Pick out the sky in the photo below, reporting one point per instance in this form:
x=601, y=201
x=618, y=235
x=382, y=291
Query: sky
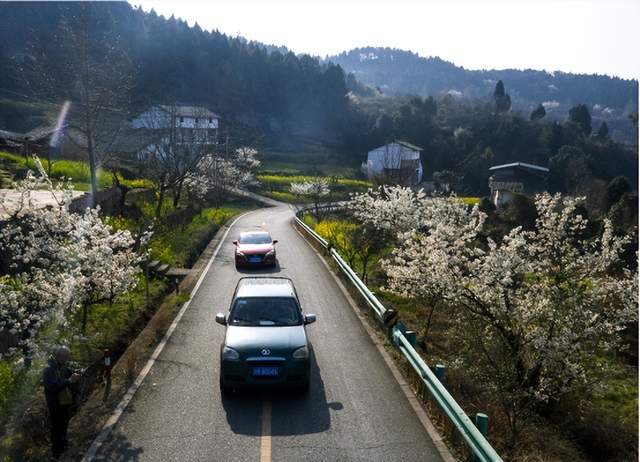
x=582, y=36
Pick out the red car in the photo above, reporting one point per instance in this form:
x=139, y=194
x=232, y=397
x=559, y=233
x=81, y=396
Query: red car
x=255, y=248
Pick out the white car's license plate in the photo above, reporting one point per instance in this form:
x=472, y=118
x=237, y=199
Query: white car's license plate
x=255, y=259
x=265, y=371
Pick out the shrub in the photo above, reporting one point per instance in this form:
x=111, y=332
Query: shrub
x=486, y=205
x=308, y=220
x=7, y=384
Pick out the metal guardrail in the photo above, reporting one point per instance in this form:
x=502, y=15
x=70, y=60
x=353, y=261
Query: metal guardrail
x=381, y=312
x=476, y=441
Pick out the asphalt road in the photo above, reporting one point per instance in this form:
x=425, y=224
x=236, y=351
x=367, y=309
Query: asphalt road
x=355, y=410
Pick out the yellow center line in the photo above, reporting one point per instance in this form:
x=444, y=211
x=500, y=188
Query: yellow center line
x=265, y=437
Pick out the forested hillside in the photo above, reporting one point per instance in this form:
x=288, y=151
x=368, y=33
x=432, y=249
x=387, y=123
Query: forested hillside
x=398, y=72
x=271, y=98
x=170, y=61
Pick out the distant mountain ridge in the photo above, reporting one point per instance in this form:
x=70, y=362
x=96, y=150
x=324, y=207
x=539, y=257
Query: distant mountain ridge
x=397, y=72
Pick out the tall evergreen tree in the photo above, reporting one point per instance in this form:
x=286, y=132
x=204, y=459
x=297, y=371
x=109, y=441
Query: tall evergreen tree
x=538, y=113
x=603, y=131
x=616, y=189
x=501, y=98
x=580, y=115
x=498, y=92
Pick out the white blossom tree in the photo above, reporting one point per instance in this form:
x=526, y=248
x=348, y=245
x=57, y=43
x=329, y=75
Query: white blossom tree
x=218, y=175
x=315, y=189
x=395, y=209
x=174, y=151
x=533, y=309
x=102, y=261
x=57, y=263
x=27, y=302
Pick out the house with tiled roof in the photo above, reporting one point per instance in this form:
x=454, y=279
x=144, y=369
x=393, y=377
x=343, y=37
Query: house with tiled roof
x=516, y=178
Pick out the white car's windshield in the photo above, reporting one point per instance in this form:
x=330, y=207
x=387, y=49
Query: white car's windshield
x=265, y=312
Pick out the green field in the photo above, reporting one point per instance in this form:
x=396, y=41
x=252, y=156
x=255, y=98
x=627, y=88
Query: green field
x=310, y=162
x=78, y=172
x=277, y=187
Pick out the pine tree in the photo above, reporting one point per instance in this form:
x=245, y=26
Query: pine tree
x=501, y=98
x=603, y=131
x=538, y=113
x=579, y=115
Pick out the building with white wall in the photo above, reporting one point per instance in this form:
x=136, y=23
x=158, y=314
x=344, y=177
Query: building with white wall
x=162, y=117
x=177, y=125
x=397, y=162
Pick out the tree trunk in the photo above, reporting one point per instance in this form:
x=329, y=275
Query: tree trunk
x=123, y=192
x=317, y=207
x=92, y=167
x=25, y=153
x=160, y=201
x=177, y=193
x=83, y=325
x=365, y=263
x=123, y=195
x=426, y=332
x=49, y=161
x=86, y=96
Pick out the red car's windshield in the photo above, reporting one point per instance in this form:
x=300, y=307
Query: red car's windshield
x=255, y=238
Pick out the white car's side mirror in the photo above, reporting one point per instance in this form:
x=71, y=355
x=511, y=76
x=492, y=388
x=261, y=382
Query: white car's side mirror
x=309, y=318
x=221, y=319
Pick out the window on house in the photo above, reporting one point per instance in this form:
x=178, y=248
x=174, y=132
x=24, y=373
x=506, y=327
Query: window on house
x=210, y=120
x=181, y=119
x=196, y=120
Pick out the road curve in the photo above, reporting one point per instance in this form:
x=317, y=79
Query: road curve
x=355, y=410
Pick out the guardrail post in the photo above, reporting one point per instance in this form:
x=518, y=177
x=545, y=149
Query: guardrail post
x=412, y=337
x=400, y=328
x=482, y=423
x=389, y=317
x=439, y=372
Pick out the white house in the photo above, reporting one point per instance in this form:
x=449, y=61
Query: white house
x=162, y=117
x=398, y=161
x=184, y=125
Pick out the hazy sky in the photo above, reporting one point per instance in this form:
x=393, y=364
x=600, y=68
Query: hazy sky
x=587, y=36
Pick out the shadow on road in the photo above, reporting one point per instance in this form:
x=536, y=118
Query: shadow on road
x=292, y=412
x=260, y=270
x=118, y=449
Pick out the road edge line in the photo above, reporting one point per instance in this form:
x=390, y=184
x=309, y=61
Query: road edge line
x=423, y=417
x=112, y=421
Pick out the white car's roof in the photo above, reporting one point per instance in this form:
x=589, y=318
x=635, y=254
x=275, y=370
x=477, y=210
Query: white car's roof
x=265, y=287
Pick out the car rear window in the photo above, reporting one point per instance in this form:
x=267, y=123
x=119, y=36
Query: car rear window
x=265, y=312
x=255, y=238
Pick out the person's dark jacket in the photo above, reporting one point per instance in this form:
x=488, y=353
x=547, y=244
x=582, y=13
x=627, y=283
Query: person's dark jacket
x=55, y=379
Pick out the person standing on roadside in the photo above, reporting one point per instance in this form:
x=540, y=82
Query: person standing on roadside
x=57, y=379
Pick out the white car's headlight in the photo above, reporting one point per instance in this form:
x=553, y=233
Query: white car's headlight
x=239, y=253
x=230, y=354
x=270, y=252
x=301, y=353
